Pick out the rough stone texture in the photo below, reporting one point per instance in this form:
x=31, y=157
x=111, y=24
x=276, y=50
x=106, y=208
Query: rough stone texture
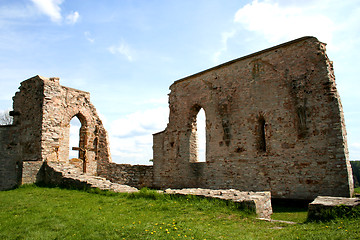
x=260, y=202
x=42, y=113
x=40, y=132
x=43, y=110
x=10, y=167
x=274, y=122
x=138, y=176
x=320, y=206
x=31, y=172
x=65, y=174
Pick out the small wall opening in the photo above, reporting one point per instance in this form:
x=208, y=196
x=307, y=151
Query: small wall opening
x=74, y=139
x=201, y=133
x=262, y=134
x=198, y=136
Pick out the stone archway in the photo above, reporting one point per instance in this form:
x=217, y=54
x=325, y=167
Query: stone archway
x=81, y=160
x=197, y=139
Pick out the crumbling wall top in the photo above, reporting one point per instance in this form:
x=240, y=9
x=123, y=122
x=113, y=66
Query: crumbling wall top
x=245, y=57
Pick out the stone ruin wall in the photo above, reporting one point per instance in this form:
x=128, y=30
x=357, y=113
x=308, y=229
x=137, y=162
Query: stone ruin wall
x=40, y=132
x=274, y=122
x=10, y=169
x=42, y=113
x=61, y=104
x=138, y=176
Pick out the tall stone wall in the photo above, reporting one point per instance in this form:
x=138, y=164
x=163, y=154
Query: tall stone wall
x=10, y=167
x=27, y=116
x=42, y=113
x=274, y=122
x=61, y=104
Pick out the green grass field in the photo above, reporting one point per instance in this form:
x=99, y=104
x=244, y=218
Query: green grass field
x=32, y=212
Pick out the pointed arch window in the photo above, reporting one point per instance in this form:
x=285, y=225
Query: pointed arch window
x=74, y=138
x=198, y=136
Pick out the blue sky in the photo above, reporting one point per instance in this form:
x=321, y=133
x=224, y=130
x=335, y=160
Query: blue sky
x=127, y=53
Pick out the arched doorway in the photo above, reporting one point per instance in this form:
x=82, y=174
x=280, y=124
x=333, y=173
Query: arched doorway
x=77, y=142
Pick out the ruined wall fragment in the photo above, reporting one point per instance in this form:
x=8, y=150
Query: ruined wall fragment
x=10, y=166
x=42, y=113
x=274, y=122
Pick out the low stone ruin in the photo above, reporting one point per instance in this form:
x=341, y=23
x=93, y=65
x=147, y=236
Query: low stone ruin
x=66, y=175
x=260, y=202
x=63, y=174
x=326, y=208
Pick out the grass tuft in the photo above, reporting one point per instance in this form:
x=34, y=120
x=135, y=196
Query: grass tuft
x=146, y=193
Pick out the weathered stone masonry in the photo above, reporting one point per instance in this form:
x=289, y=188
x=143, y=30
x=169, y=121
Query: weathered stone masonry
x=40, y=132
x=274, y=122
x=10, y=169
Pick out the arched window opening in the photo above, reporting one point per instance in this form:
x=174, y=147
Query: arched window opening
x=198, y=136
x=74, y=140
x=262, y=134
x=201, y=134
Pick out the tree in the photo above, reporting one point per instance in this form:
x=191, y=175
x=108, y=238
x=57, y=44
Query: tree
x=5, y=118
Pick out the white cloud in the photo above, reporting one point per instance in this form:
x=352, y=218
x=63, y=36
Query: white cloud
x=134, y=150
x=276, y=21
x=50, y=8
x=88, y=37
x=122, y=49
x=225, y=36
x=131, y=136
x=279, y=23
x=72, y=18
x=140, y=123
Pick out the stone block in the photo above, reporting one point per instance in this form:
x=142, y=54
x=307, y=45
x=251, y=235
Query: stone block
x=259, y=202
x=327, y=208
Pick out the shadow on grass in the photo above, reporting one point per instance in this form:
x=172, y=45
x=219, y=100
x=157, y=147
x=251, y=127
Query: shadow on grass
x=289, y=205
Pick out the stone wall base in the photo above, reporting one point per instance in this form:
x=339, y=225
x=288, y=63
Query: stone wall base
x=31, y=172
x=327, y=208
x=138, y=176
x=260, y=202
x=66, y=175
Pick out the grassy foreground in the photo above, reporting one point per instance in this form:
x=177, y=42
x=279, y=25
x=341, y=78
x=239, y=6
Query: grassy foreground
x=32, y=212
